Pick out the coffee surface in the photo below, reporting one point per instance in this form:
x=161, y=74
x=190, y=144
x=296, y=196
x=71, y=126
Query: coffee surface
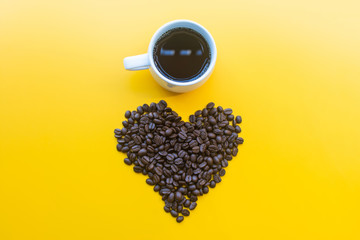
x=182, y=54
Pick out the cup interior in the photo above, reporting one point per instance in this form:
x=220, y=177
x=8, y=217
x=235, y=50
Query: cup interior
x=183, y=24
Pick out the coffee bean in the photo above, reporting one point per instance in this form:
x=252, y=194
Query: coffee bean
x=182, y=135
x=149, y=181
x=182, y=159
x=234, y=151
x=179, y=208
x=238, y=119
x=204, y=112
x=162, y=104
x=168, y=132
x=138, y=169
x=127, y=161
x=166, y=209
x=185, y=212
x=125, y=149
x=239, y=140
x=119, y=147
x=157, y=188
x=188, y=178
x=165, y=191
x=196, y=149
x=140, y=110
x=202, y=182
x=174, y=213
x=127, y=114
x=193, y=205
x=142, y=152
x=228, y=111
x=193, y=198
x=217, y=178
x=187, y=203
x=196, y=192
x=212, y=121
x=171, y=197
x=158, y=171
x=178, y=196
x=179, y=219
x=210, y=105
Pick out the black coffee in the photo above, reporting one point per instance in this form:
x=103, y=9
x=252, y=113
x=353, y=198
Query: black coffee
x=182, y=54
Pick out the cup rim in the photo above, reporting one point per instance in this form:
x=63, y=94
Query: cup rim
x=208, y=38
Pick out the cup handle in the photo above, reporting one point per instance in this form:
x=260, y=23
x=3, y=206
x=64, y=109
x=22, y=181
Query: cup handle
x=138, y=62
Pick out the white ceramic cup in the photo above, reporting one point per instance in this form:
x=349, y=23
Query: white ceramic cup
x=146, y=61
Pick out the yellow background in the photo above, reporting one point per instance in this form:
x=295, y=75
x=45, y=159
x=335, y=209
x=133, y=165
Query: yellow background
x=290, y=68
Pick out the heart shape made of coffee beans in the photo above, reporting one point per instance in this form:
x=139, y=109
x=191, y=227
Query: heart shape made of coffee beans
x=181, y=159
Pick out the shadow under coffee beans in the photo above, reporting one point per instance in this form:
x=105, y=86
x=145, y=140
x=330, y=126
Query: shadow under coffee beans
x=181, y=159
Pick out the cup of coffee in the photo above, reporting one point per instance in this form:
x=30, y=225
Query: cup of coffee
x=181, y=56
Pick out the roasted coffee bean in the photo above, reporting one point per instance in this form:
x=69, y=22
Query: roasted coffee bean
x=210, y=105
x=204, y=112
x=125, y=149
x=140, y=110
x=179, y=208
x=142, y=152
x=217, y=178
x=238, y=119
x=178, y=196
x=127, y=161
x=168, y=132
x=158, y=171
x=212, y=111
x=234, y=151
x=185, y=212
x=239, y=140
x=202, y=182
x=182, y=159
x=188, y=178
x=162, y=104
x=182, y=135
x=187, y=203
x=196, y=192
x=222, y=172
x=228, y=111
x=166, y=209
x=165, y=191
x=157, y=188
x=174, y=213
x=171, y=197
x=193, y=198
x=179, y=219
x=149, y=181
x=196, y=149
x=138, y=169
x=192, y=187
x=192, y=205
x=127, y=114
